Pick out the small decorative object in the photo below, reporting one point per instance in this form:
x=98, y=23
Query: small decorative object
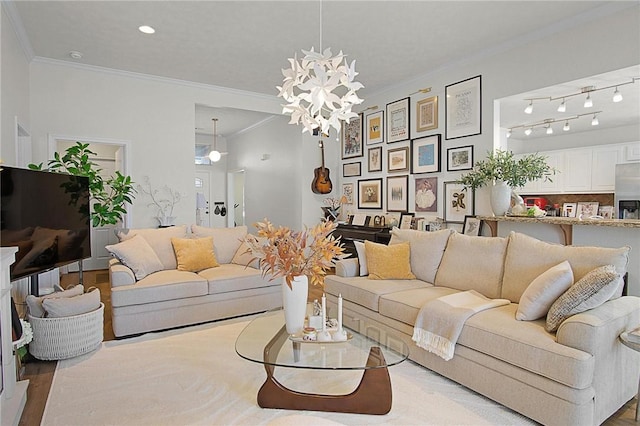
x=374, y=128
x=309, y=333
x=340, y=335
x=506, y=172
x=427, y=114
x=606, y=212
x=375, y=159
x=351, y=169
x=398, y=193
x=458, y=202
x=332, y=209
x=405, y=220
x=425, y=154
x=586, y=209
x=297, y=257
x=323, y=335
x=398, y=121
x=370, y=194
x=569, y=209
x=164, y=200
x=426, y=196
x=398, y=159
x=460, y=158
x=352, y=138
x=463, y=105
x=471, y=226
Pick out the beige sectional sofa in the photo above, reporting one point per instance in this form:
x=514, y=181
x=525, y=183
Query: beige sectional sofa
x=149, y=292
x=579, y=374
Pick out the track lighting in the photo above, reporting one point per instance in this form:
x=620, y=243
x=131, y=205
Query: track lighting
x=595, y=121
x=547, y=123
x=588, y=103
x=549, y=129
x=529, y=108
x=509, y=133
x=528, y=131
x=562, y=107
x=566, y=126
x=617, y=96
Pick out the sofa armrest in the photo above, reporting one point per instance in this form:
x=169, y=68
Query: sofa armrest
x=348, y=268
x=119, y=274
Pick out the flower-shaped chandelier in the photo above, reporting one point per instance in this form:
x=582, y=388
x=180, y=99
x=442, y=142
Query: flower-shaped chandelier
x=320, y=90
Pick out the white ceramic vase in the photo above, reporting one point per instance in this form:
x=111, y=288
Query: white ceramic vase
x=500, y=198
x=166, y=220
x=294, y=301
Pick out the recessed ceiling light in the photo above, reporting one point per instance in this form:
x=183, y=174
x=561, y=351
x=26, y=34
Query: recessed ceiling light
x=75, y=54
x=146, y=29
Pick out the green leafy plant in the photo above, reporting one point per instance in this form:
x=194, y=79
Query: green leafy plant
x=108, y=196
x=502, y=165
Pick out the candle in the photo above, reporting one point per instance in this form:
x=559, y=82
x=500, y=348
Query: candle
x=324, y=312
x=340, y=312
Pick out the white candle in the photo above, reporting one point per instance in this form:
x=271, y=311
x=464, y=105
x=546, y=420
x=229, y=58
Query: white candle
x=340, y=312
x=324, y=312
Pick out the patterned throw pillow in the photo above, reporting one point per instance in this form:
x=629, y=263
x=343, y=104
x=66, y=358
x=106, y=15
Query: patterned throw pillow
x=388, y=262
x=194, y=254
x=589, y=292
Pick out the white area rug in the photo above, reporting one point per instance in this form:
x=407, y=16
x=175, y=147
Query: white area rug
x=194, y=377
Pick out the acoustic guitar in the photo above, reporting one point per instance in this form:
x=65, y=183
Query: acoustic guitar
x=321, y=182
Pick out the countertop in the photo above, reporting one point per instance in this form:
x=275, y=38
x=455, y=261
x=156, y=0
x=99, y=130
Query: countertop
x=556, y=220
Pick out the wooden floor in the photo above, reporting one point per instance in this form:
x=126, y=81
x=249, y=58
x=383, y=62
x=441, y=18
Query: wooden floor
x=40, y=373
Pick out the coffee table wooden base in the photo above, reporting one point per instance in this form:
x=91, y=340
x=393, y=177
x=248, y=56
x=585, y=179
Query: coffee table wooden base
x=371, y=396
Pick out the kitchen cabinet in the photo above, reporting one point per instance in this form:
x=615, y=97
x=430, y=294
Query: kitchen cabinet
x=577, y=170
x=603, y=170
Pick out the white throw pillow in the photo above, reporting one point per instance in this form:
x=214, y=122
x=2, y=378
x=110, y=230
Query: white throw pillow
x=35, y=303
x=71, y=306
x=362, y=258
x=427, y=249
x=159, y=240
x=543, y=291
x=138, y=255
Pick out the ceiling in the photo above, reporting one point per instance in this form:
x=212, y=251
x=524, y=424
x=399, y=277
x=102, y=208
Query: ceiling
x=244, y=45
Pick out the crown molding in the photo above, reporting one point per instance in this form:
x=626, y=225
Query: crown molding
x=18, y=28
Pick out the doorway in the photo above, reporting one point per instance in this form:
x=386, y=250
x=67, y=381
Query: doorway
x=235, y=191
x=203, y=196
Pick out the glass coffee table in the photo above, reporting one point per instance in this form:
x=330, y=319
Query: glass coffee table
x=265, y=340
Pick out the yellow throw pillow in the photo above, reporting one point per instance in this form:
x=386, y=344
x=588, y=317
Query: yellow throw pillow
x=194, y=254
x=388, y=262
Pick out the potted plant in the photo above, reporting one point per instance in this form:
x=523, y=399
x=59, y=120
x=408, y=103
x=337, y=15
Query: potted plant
x=505, y=172
x=108, y=196
x=297, y=257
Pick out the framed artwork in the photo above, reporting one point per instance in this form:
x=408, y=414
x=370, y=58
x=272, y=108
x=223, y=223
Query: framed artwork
x=351, y=169
x=463, y=106
x=374, y=128
x=405, y=220
x=375, y=159
x=347, y=192
x=458, y=202
x=569, y=209
x=471, y=226
x=587, y=208
x=398, y=193
x=425, y=154
x=352, y=138
x=398, y=159
x=460, y=158
x=427, y=114
x=426, y=197
x=606, y=212
x=398, y=121
x=370, y=194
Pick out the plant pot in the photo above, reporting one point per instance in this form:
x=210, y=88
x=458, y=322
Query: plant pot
x=294, y=301
x=166, y=220
x=500, y=198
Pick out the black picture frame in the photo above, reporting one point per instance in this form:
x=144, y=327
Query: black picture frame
x=460, y=158
x=463, y=108
x=398, y=124
x=472, y=226
x=370, y=194
x=352, y=143
x=398, y=193
x=352, y=169
x=372, y=154
x=425, y=154
x=458, y=202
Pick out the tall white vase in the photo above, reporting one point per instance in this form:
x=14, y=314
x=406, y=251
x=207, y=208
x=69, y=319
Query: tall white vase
x=500, y=198
x=294, y=301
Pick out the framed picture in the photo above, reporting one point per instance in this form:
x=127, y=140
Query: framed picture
x=351, y=169
x=426, y=197
x=606, y=212
x=375, y=159
x=352, y=138
x=398, y=193
x=427, y=114
x=458, y=202
x=425, y=154
x=587, y=209
x=398, y=159
x=347, y=192
x=370, y=194
x=569, y=209
x=460, y=158
x=398, y=121
x=471, y=226
x=405, y=220
x=374, y=128
x=463, y=105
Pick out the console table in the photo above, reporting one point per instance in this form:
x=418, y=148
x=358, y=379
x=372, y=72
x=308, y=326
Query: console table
x=351, y=233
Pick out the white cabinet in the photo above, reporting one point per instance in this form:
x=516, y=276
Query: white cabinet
x=577, y=168
x=603, y=167
x=631, y=152
x=555, y=159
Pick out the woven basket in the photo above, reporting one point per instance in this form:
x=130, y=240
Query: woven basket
x=61, y=338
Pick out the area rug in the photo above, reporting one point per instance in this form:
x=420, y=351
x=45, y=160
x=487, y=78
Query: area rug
x=193, y=376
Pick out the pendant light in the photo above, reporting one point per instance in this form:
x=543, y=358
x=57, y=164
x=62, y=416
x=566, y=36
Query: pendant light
x=595, y=121
x=588, y=103
x=529, y=108
x=617, y=96
x=566, y=126
x=562, y=107
x=214, y=155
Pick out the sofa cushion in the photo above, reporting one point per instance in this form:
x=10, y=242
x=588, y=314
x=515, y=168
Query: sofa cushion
x=226, y=241
x=543, y=291
x=388, y=262
x=404, y=305
x=161, y=286
x=34, y=303
x=528, y=257
x=160, y=241
x=589, y=292
x=366, y=292
x=231, y=277
x=194, y=254
x=427, y=249
x=244, y=257
x=362, y=258
x=137, y=255
x=60, y=307
x=473, y=263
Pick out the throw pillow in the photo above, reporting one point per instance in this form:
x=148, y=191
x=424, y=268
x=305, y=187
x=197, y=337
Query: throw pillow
x=388, y=262
x=194, y=254
x=226, y=241
x=543, y=291
x=137, y=254
x=159, y=240
x=589, y=292
x=70, y=306
x=244, y=257
x=362, y=258
x=34, y=304
x=427, y=249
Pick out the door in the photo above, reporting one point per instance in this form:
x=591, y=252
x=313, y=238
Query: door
x=203, y=195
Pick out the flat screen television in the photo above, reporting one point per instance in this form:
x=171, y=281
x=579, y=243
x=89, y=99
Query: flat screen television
x=45, y=215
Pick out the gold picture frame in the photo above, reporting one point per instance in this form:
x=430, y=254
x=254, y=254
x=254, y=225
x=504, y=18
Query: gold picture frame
x=427, y=114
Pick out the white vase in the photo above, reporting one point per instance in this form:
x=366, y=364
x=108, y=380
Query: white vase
x=166, y=220
x=500, y=198
x=294, y=301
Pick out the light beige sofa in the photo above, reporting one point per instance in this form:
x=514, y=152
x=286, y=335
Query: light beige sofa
x=170, y=297
x=579, y=375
